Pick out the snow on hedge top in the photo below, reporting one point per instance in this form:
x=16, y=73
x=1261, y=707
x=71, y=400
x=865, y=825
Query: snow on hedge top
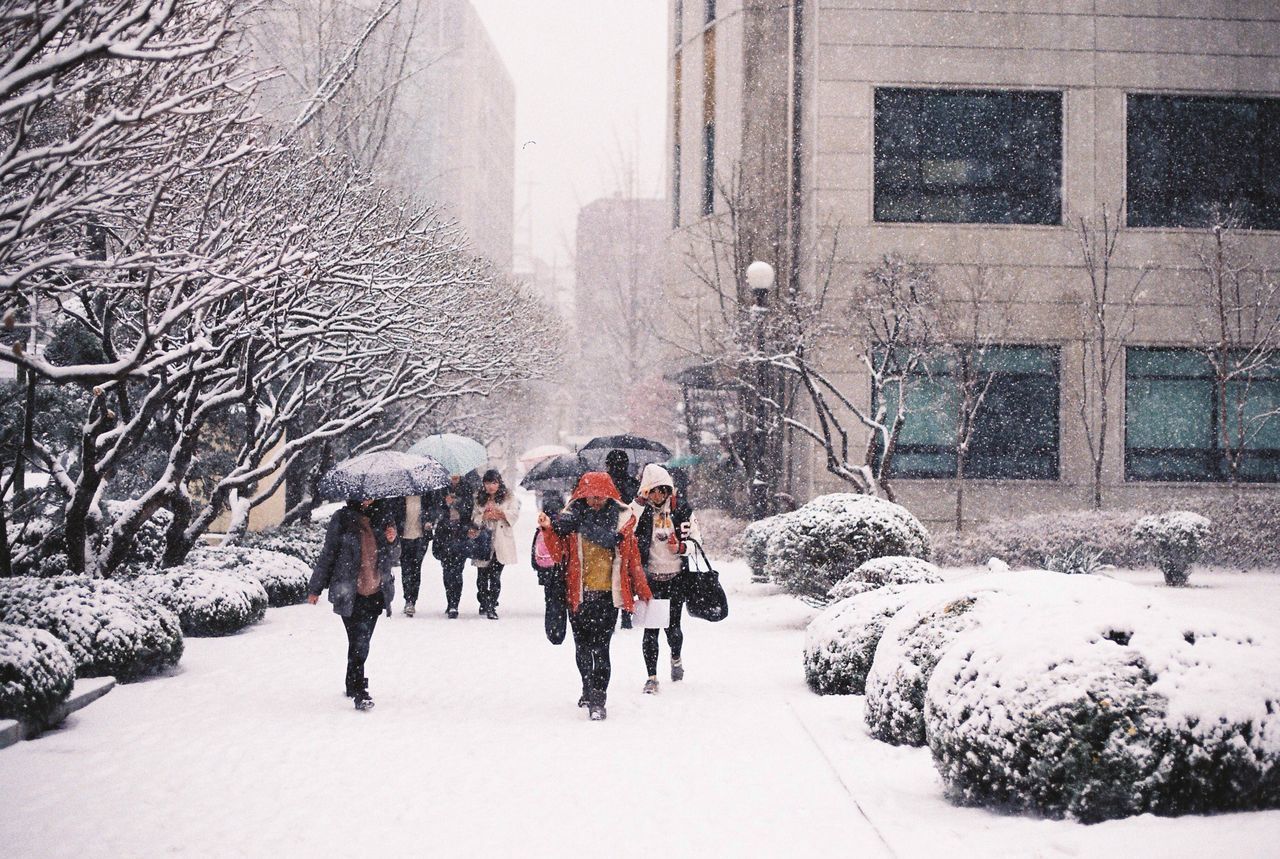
x=888, y=570
x=1178, y=528
x=889, y=516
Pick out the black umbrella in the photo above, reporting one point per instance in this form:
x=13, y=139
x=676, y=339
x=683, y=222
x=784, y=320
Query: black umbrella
x=640, y=451
x=383, y=474
x=557, y=473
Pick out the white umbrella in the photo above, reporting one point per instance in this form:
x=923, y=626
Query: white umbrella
x=383, y=474
x=534, y=455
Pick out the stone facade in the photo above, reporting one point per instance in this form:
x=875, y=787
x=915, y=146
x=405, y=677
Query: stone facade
x=1092, y=56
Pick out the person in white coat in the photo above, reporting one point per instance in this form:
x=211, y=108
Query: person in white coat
x=496, y=510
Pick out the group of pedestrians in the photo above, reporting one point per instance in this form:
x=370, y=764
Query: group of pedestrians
x=617, y=541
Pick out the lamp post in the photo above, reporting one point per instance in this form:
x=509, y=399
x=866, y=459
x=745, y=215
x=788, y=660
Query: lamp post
x=760, y=276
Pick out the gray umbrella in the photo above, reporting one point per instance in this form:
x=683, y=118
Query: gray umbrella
x=383, y=474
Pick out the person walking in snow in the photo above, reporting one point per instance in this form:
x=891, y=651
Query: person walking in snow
x=355, y=565
x=664, y=524
x=595, y=540
x=496, y=510
x=451, y=535
x=618, y=466
x=415, y=519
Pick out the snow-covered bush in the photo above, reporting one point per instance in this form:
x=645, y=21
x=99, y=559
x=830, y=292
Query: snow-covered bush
x=109, y=628
x=36, y=674
x=840, y=643
x=282, y=576
x=918, y=635
x=889, y=570
x=1026, y=542
x=1077, y=560
x=813, y=548
x=1108, y=710
x=206, y=602
x=303, y=542
x=146, y=550
x=1174, y=541
x=753, y=543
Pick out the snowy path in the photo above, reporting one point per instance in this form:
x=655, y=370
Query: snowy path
x=475, y=747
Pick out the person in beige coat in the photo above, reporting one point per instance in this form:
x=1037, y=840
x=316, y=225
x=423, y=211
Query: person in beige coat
x=496, y=510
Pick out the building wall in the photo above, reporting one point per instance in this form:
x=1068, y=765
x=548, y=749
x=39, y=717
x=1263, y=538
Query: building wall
x=1094, y=53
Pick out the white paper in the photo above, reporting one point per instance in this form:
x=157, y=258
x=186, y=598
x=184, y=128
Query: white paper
x=654, y=614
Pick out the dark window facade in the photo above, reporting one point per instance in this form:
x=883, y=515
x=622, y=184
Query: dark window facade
x=708, y=168
x=711, y=10
x=968, y=156
x=1192, y=159
x=1015, y=432
x=1173, y=424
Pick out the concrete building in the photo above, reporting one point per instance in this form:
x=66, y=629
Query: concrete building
x=461, y=112
x=972, y=136
x=618, y=306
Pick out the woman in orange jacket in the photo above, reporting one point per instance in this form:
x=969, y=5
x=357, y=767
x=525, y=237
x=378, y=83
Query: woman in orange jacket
x=595, y=540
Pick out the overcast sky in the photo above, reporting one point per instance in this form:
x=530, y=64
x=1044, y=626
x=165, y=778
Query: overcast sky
x=590, y=79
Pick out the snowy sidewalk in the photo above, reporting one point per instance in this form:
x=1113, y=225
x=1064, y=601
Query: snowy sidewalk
x=475, y=746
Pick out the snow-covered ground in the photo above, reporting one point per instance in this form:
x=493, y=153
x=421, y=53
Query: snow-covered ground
x=476, y=748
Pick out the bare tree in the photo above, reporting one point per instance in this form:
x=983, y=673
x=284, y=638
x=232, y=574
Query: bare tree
x=1239, y=336
x=1108, y=315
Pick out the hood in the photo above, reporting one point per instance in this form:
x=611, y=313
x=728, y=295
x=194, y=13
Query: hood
x=595, y=483
x=655, y=475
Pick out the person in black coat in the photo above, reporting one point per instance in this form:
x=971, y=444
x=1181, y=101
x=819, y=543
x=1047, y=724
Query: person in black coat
x=451, y=536
x=355, y=566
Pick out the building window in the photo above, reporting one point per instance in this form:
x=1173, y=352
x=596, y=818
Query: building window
x=711, y=11
x=1191, y=158
x=1173, y=424
x=968, y=156
x=1015, y=433
x=709, y=168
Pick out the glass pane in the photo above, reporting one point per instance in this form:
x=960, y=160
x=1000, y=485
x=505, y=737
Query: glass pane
x=912, y=464
x=1016, y=429
x=1166, y=362
x=1169, y=414
x=930, y=412
x=1261, y=414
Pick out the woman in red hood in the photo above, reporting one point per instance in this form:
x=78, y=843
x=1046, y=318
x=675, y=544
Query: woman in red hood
x=595, y=539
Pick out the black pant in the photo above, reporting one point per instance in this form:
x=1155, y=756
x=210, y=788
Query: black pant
x=673, y=590
x=364, y=616
x=592, y=630
x=411, y=554
x=489, y=585
x=452, y=570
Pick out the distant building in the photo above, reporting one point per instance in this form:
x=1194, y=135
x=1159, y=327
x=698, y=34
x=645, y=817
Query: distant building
x=618, y=305
x=465, y=152
x=973, y=137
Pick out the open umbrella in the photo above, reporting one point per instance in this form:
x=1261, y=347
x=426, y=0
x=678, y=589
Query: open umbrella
x=557, y=473
x=640, y=451
x=534, y=455
x=383, y=474
x=457, y=453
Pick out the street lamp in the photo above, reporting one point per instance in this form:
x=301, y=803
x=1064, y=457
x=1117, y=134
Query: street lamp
x=760, y=277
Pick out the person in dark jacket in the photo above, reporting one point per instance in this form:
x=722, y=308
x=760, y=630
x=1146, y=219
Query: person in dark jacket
x=355, y=565
x=415, y=517
x=453, y=530
x=618, y=466
x=664, y=524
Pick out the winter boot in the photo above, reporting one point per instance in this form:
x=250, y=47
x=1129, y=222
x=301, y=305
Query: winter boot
x=492, y=614
x=595, y=705
x=409, y=609
x=451, y=613
x=363, y=700
x=584, y=698
x=677, y=671
x=651, y=686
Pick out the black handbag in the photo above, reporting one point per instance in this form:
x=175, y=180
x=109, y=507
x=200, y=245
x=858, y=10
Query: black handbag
x=556, y=621
x=704, y=595
x=480, y=547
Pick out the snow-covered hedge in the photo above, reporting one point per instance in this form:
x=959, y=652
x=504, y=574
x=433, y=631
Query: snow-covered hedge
x=813, y=548
x=1107, y=710
x=1175, y=541
x=1030, y=541
x=207, y=602
x=889, y=570
x=918, y=635
x=753, y=543
x=109, y=628
x=303, y=542
x=36, y=674
x=282, y=576
x=840, y=643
